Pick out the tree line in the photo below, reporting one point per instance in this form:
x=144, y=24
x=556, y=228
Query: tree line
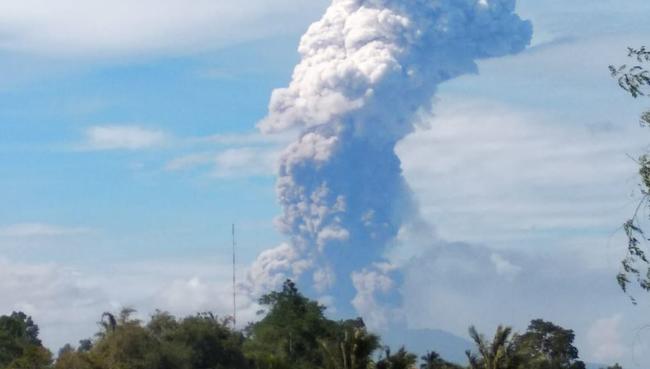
x=293, y=333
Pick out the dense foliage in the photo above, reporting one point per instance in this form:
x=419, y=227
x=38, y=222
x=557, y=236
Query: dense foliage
x=20, y=347
x=293, y=333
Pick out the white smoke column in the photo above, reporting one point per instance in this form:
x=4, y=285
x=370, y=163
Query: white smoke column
x=368, y=66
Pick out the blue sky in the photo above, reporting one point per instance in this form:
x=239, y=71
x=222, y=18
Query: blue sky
x=128, y=145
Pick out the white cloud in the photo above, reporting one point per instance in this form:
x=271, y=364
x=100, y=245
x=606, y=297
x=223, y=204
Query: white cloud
x=231, y=163
x=329, y=303
x=538, y=192
x=324, y=278
x=584, y=17
x=55, y=296
x=370, y=285
x=33, y=230
x=453, y=286
x=246, y=162
x=605, y=339
x=504, y=267
x=497, y=175
x=192, y=294
x=66, y=302
x=189, y=161
x=99, y=28
x=114, y=137
x=274, y=266
x=240, y=155
x=248, y=139
x=543, y=195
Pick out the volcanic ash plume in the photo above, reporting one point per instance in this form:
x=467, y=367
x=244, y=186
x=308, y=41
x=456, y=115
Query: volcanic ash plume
x=367, y=68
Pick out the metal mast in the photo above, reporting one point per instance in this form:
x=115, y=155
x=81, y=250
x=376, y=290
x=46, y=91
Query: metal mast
x=234, y=279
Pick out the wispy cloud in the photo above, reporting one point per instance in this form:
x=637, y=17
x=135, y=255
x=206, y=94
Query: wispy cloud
x=249, y=138
x=123, y=137
x=246, y=162
x=189, y=161
x=238, y=155
x=67, y=301
x=97, y=28
x=34, y=230
x=230, y=163
x=584, y=17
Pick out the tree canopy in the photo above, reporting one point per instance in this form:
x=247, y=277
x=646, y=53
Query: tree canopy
x=293, y=332
x=20, y=346
x=544, y=345
x=290, y=331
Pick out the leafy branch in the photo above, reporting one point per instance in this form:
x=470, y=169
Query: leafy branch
x=635, y=78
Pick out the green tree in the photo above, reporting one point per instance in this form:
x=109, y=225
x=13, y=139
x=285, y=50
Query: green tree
x=290, y=332
x=547, y=346
x=125, y=344
x=69, y=358
x=209, y=341
x=85, y=345
x=196, y=342
x=33, y=357
x=500, y=353
x=20, y=346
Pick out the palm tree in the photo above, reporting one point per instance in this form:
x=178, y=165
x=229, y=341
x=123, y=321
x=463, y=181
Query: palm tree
x=402, y=359
x=352, y=352
x=431, y=360
x=497, y=354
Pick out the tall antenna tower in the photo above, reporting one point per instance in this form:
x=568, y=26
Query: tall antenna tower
x=234, y=279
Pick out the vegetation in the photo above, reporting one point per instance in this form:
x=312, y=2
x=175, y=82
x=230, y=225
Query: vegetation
x=548, y=346
x=635, y=79
x=290, y=332
x=293, y=333
x=432, y=360
x=20, y=347
x=544, y=345
x=499, y=353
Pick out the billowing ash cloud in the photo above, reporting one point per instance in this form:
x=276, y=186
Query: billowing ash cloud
x=368, y=67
